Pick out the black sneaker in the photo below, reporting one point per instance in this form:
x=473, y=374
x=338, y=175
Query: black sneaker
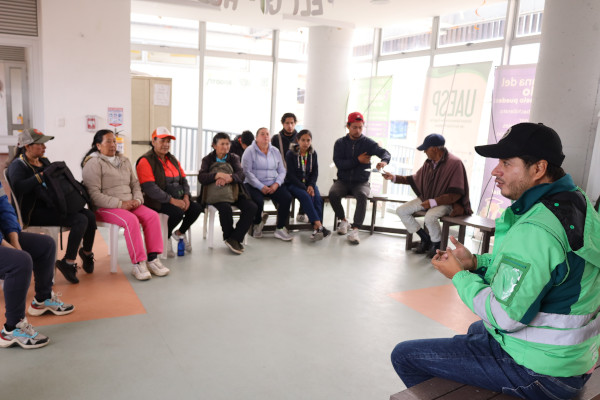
x=326, y=232
x=423, y=247
x=432, y=249
x=68, y=270
x=234, y=246
x=87, y=261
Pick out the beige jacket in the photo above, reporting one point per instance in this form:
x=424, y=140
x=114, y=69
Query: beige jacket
x=110, y=185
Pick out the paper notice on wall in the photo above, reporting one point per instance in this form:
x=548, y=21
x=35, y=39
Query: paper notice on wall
x=162, y=95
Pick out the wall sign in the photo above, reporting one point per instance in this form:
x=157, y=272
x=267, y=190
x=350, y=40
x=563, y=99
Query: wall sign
x=115, y=116
x=303, y=8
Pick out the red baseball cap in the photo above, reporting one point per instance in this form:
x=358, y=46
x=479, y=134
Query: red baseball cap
x=162, y=132
x=354, y=117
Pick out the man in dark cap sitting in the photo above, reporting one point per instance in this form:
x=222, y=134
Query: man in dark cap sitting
x=442, y=189
x=536, y=293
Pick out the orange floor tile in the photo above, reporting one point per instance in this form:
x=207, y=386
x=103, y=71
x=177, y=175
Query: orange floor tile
x=96, y=296
x=440, y=303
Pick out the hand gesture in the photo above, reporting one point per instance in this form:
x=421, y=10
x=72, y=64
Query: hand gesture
x=448, y=265
x=388, y=176
x=381, y=164
x=364, y=158
x=463, y=254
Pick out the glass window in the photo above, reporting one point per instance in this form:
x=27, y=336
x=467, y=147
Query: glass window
x=480, y=24
x=171, y=58
x=239, y=39
x=530, y=18
x=184, y=107
x=291, y=86
x=406, y=37
x=162, y=31
x=237, y=94
x=293, y=44
x=525, y=54
x=408, y=82
x=362, y=43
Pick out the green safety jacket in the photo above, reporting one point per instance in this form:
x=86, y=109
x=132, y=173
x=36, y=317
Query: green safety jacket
x=538, y=293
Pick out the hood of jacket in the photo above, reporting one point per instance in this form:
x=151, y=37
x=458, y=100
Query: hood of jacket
x=295, y=148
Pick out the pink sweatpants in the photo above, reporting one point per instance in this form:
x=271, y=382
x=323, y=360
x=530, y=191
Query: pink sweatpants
x=131, y=220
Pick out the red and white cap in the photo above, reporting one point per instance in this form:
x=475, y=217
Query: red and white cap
x=162, y=132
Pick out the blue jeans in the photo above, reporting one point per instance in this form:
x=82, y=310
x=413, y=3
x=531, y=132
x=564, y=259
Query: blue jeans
x=477, y=359
x=312, y=205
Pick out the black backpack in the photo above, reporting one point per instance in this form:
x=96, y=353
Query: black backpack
x=67, y=195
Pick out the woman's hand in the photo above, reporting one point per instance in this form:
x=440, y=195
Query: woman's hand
x=265, y=190
x=186, y=200
x=13, y=240
x=178, y=203
x=222, y=175
x=311, y=191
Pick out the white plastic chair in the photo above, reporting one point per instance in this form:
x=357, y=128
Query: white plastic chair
x=209, y=224
x=113, y=243
x=164, y=227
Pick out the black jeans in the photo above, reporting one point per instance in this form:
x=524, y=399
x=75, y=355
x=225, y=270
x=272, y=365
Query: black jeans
x=282, y=197
x=38, y=255
x=248, y=211
x=359, y=190
x=82, y=224
x=176, y=215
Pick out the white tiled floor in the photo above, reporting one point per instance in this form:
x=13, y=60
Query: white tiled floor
x=295, y=320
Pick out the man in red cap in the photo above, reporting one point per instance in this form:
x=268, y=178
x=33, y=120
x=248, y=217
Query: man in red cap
x=352, y=157
x=441, y=187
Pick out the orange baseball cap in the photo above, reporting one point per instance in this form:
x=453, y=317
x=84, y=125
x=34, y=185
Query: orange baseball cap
x=162, y=132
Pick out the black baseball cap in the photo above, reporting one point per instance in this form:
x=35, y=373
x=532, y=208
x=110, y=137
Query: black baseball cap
x=433, y=140
x=526, y=139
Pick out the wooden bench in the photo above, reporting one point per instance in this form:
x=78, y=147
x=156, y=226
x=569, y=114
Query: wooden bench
x=443, y=389
x=486, y=225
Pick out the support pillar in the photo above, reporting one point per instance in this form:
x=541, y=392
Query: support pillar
x=327, y=90
x=566, y=95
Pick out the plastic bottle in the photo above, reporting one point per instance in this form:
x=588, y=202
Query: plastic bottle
x=180, y=248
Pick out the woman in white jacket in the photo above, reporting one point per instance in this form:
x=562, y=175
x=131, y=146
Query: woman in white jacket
x=117, y=199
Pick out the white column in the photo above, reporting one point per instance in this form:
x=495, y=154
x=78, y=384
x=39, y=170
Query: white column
x=327, y=89
x=566, y=95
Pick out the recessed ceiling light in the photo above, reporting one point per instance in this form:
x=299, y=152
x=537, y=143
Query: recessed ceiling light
x=380, y=1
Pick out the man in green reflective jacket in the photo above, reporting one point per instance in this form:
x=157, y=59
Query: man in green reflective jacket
x=537, y=293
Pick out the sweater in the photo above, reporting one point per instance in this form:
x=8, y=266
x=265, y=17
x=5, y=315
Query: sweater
x=109, y=184
x=345, y=157
x=295, y=174
x=262, y=169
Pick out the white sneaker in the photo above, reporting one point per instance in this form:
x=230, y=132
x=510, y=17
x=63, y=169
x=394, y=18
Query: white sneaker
x=302, y=218
x=157, y=268
x=342, y=228
x=353, y=236
x=283, y=234
x=140, y=271
x=257, y=231
x=188, y=245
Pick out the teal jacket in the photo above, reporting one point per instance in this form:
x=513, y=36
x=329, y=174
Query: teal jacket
x=538, y=293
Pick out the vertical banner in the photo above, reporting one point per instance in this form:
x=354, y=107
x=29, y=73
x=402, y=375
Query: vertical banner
x=371, y=97
x=511, y=104
x=452, y=106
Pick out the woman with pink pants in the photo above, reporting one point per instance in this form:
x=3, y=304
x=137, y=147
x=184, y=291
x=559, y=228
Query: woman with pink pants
x=117, y=199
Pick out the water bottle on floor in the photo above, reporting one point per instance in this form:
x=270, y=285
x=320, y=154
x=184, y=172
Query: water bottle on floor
x=180, y=248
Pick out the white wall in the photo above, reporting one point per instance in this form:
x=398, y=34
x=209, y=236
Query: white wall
x=85, y=69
